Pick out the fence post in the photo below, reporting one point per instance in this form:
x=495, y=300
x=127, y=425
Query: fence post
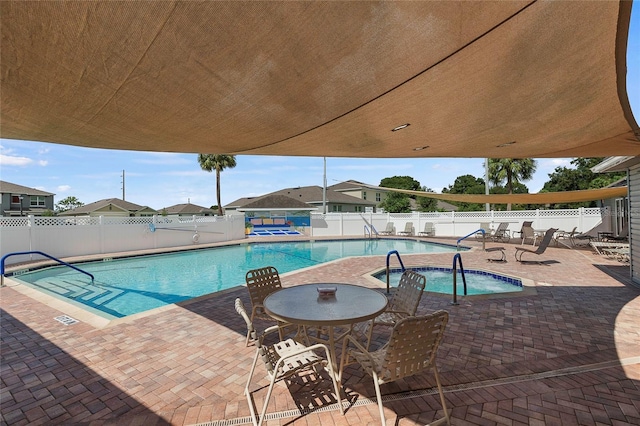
x=31, y=226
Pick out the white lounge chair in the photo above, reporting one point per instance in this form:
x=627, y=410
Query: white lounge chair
x=429, y=230
x=408, y=229
x=389, y=230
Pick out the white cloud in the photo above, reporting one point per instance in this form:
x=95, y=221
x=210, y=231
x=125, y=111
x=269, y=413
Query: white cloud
x=8, y=160
x=42, y=163
x=63, y=188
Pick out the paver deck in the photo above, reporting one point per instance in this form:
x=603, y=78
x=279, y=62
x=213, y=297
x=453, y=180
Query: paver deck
x=567, y=352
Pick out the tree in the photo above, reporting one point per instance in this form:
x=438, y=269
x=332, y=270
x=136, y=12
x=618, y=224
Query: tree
x=466, y=184
x=579, y=178
x=211, y=162
x=427, y=204
x=397, y=202
x=510, y=171
x=68, y=203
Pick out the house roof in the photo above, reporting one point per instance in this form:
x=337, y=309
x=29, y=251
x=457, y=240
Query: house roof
x=348, y=185
x=307, y=194
x=123, y=205
x=13, y=188
x=187, y=208
x=497, y=79
x=276, y=202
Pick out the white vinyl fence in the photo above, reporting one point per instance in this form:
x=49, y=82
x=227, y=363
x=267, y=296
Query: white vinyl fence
x=66, y=237
x=459, y=224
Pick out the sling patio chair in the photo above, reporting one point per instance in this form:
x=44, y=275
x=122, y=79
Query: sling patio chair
x=282, y=360
x=404, y=302
x=524, y=224
x=262, y=282
x=501, y=233
x=548, y=236
x=429, y=230
x=411, y=350
x=487, y=231
x=528, y=233
x=389, y=230
x=408, y=229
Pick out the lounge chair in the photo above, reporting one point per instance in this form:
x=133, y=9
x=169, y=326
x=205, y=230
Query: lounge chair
x=411, y=349
x=601, y=247
x=528, y=233
x=548, y=236
x=524, y=225
x=501, y=233
x=389, y=230
x=408, y=229
x=564, y=235
x=283, y=359
x=429, y=230
x=487, y=231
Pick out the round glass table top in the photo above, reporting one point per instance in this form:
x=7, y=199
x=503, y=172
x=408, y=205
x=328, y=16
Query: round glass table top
x=303, y=304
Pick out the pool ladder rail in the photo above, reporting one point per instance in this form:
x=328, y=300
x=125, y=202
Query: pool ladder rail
x=369, y=232
x=453, y=270
x=471, y=234
x=2, y=261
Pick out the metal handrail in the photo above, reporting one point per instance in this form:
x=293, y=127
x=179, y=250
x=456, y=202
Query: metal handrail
x=367, y=231
x=468, y=235
x=455, y=277
x=399, y=260
x=2, y=270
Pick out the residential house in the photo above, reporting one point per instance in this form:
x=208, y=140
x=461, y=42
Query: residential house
x=187, y=209
x=18, y=200
x=313, y=196
x=113, y=207
x=276, y=211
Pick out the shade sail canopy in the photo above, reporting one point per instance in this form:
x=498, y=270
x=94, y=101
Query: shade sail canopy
x=472, y=79
x=539, y=198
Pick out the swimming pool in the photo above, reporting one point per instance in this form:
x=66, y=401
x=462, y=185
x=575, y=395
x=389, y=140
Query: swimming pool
x=130, y=285
x=440, y=280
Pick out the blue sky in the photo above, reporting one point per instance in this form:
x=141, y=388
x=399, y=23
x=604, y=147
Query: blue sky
x=160, y=180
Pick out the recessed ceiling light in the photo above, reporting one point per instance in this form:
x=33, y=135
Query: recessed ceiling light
x=403, y=126
x=420, y=148
x=502, y=145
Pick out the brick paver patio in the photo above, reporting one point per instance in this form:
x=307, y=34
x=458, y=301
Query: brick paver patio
x=567, y=353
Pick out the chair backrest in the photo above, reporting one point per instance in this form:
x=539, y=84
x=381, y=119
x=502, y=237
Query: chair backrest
x=526, y=224
x=262, y=282
x=503, y=226
x=408, y=227
x=413, y=345
x=407, y=296
x=546, y=240
x=389, y=227
x=428, y=227
x=243, y=312
x=486, y=226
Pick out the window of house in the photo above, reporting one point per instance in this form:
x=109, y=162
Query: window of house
x=358, y=209
x=337, y=208
x=364, y=195
x=378, y=197
x=36, y=201
x=15, y=199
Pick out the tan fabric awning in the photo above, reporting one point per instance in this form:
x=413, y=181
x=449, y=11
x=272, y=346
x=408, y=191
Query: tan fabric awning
x=498, y=79
x=539, y=198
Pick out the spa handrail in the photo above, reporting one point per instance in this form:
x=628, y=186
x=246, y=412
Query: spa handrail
x=468, y=235
x=42, y=254
x=455, y=277
x=399, y=260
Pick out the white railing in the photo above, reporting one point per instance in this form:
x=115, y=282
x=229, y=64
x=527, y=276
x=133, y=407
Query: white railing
x=66, y=237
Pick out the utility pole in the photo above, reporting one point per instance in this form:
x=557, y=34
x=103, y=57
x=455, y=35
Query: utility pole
x=486, y=181
x=324, y=188
x=123, y=185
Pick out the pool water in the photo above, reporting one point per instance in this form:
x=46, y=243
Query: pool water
x=135, y=284
x=440, y=280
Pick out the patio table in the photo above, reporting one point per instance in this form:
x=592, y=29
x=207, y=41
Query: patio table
x=302, y=305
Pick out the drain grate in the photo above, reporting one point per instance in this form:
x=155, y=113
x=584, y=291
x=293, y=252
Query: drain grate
x=66, y=320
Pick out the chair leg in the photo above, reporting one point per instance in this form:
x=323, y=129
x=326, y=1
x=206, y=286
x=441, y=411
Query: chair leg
x=378, y=397
x=247, y=392
x=442, y=400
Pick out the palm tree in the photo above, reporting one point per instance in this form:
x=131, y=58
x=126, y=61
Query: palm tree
x=510, y=170
x=211, y=162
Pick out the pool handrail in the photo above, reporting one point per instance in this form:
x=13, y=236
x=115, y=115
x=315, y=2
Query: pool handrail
x=455, y=277
x=468, y=235
x=399, y=260
x=62, y=262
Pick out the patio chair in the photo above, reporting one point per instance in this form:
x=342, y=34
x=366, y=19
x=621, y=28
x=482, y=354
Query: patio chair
x=408, y=229
x=524, y=225
x=281, y=360
x=429, y=230
x=528, y=233
x=262, y=282
x=548, y=236
x=601, y=247
x=501, y=233
x=411, y=349
x=389, y=230
x=403, y=304
x=569, y=236
x=487, y=231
